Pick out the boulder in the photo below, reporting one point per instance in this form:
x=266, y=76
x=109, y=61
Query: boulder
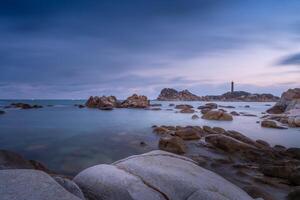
x=278, y=171
x=187, y=110
x=70, y=186
x=228, y=143
x=156, y=175
x=136, y=101
x=234, y=113
x=172, y=144
x=31, y=185
x=169, y=94
x=183, y=106
x=188, y=134
x=208, y=106
x=217, y=115
x=195, y=117
x=160, y=130
x=25, y=106
x=271, y=124
x=101, y=102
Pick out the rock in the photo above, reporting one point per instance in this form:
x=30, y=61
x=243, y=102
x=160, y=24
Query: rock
x=257, y=192
x=217, y=115
x=208, y=106
x=247, y=106
x=136, y=101
x=242, y=96
x=169, y=94
x=188, y=134
x=172, y=144
x=101, y=102
x=160, y=130
x=234, y=113
x=221, y=106
x=11, y=160
x=294, y=121
x=294, y=194
x=171, y=104
x=294, y=177
x=155, y=104
x=205, y=110
x=237, y=135
x=187, y=110
x=294, y=152
x=278, y=147
x=25, y=106
x=155, y=109
x=183, y=106
x=31, y=185
x=289, y=100
x=271, y=124
x=195, y=117
x=81, y=106
x=105, y=108
x=70, y=186
x=263, y=143
x=280, y=171
x=156, y=175
x=209, y=130
x=2, y=112
x=227, y=143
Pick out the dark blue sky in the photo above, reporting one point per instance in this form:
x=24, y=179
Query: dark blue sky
x=74, y=49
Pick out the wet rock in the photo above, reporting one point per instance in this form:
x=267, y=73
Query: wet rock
x=25, y=106
x=156, y=175
x=219, y=130
x=257, y=192
x=136, y=101
x=280, y=171
x=188, y=134
x=70, y=186
x=209, y=130
x=183, y=106
x=195, y=117
x=160, y=130
x=187, y=110
x=234, y=113
x=205, y=110
x=81, y=106
x=172, y=144
x=155, y=104
x=217, y=115
x=169, y=94
x=31, y=184
x=208, y=106
x=105, y=108
x=101, y=102
x=271, y=124
x=227, y=143
x=2, y=112
x=221, y=106
x=294, y=152
x=263, y=143
x=294, y=194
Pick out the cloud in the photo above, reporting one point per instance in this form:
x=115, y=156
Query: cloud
x=290, y=60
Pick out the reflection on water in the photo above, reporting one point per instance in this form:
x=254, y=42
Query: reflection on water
x=69, y=139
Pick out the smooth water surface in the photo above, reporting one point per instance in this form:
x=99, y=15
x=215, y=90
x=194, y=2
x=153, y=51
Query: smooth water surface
x=68, y=139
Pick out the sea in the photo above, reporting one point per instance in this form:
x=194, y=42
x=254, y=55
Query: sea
x=68, y=139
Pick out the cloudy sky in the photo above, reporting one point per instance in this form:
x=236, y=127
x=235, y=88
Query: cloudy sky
x=74, y=49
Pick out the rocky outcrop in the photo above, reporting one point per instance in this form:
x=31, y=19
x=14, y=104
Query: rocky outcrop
x=24, y=106
x=172, y=144
x=156, y=175
x=31, y=184
x=289, y=100
x=217, y=115
x=169, y=94
x=101, y=102
x=242, y=96
x=136, y=101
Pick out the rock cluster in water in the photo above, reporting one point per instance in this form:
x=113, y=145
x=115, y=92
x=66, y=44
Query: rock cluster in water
x=169, y=94
x=110, y=102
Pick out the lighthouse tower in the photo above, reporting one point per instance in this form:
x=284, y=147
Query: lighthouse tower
x=232, y=86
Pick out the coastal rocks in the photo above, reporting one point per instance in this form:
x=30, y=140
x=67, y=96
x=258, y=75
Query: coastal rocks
x=217, y=115
x=187, y=133
x=136, y=101
x=101, y=102
x=227, y=143
x=169, y=94
x=172, y=144
x=243, y=96
x=156, y=175
x=271, y=124
x=25, y=106
x=31, y=184
x=289, y=100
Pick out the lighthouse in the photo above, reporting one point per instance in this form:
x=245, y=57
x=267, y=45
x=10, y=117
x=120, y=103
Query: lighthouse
x=232, y=86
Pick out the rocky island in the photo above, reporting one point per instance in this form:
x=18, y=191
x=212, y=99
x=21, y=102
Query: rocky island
x=170, y=94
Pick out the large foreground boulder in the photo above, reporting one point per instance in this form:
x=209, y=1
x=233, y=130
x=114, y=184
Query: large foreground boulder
x=31, y=185
x=156, y=175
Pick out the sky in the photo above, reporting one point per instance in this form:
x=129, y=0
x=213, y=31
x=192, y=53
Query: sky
x=72, y=49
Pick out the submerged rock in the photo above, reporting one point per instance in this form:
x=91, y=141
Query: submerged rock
x=156, y=175
x=31, y=185
x=217, y=115
x=25, y=106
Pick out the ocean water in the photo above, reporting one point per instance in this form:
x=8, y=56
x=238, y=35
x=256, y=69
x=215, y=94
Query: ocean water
x=68, y=139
